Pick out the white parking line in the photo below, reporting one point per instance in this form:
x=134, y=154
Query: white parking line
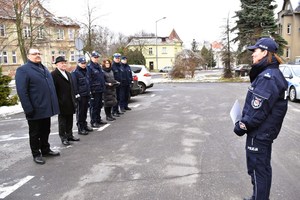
x=135, y=106
x=103, y=127
x=152, y=95
x=5, y=191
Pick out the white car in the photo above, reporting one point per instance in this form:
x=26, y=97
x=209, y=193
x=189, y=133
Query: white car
x=144, y=76
x=292, y=74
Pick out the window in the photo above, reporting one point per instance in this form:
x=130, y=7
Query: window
x=60, y=34
x=27, y=32
x=289, y=28
x=2, y=30
x=71, y=34
x=40, y=32
x=53, y=56
x=164, y=50
x=150, y=51
x=3, y=57
x=14, y=57
x=72, y=56
x=62, y=53
x=287, y=52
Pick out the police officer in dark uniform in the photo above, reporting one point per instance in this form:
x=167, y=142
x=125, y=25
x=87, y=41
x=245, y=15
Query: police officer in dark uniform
x=97, y=86
x=82, y=94
x=118, y=71
x=263, y=113
x=125, y=84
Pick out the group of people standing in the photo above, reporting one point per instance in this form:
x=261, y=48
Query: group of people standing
x=90, y=87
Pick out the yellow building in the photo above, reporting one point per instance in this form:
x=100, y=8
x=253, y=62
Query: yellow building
x=53, y=36
x=158, y=52
x=289, y=29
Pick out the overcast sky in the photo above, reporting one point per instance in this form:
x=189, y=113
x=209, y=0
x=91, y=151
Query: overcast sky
x=192, y=19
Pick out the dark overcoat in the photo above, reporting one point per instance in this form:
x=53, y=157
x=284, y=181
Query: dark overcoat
x=109, y=95
x=36, y=91
x=65, y=92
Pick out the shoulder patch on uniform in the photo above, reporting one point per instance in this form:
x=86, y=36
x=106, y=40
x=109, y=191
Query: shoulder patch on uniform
x=267, y=75
x=256, y=102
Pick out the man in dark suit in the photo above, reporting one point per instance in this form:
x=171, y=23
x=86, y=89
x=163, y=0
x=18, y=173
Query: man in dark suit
x=37, y=94
x=66, y=100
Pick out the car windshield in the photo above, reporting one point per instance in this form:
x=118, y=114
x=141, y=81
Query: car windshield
x=296, y=70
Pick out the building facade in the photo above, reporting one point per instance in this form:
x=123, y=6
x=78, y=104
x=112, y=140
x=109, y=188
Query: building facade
x=289, y=29
x=53, y=36
x=158, y=51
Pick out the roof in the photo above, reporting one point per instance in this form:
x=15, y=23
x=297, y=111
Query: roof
x=295, y=5
x=7, y=12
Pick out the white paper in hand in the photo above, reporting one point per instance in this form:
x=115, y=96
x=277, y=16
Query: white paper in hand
x=235, y=112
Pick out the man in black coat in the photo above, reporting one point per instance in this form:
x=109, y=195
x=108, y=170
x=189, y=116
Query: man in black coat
x=37, y=94
x=66, y=100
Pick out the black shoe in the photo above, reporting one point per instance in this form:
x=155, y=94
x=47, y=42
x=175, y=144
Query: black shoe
x=110, y=118
x=65, y=142
x=95, y=125
x=123, y=110
x=51, y=153
x=102, y=122
x=39, y=160
x=127, y=108
x=74, y=139
x=89, y=129
x=120, y=113
x=82, y=132
x=116, y=115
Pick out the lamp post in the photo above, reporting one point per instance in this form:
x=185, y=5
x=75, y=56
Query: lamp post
x=156, y=54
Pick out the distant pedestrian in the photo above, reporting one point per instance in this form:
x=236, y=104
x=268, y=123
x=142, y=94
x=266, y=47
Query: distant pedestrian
x=262, y=117
x=37, y=94
x=109, y=95
x=125, y=84
x=66, y=99
x=97, y=87
x=82, y=94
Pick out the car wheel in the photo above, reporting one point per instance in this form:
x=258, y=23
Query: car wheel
x=143, y=87
x=292, y=94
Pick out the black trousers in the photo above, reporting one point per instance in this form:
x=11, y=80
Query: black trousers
x=108, y=111
x=65, y=126
x=39, y=131
x=258, y=155
x=81, y=112
x=95, y=107
x=115, y=108
x=124, y=96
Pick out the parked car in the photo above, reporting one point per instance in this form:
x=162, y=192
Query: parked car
x=166, y=69
x=144, y=76
x=242, y=70
x=135, y=89
x=292, y=74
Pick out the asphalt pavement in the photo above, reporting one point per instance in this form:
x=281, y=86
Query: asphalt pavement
x=176, y=143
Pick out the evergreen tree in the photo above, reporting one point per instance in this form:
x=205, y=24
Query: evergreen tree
x=256, y=20
x=5, y=99
x=194, y=46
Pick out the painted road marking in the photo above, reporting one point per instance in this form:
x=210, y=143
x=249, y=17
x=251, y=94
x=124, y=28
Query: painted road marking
x=103, y=127
x=6, y=138
x=5, y=191
x=135, y=106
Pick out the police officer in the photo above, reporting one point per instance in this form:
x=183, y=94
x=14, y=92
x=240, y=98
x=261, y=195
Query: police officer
x=263, y=114
x=125, y=84
x=118, y=71
x=97, y=87
x=82, y=94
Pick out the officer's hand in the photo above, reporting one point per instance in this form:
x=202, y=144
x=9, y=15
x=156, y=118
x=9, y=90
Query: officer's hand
x=240, y=128
x=29, y=114
x=77, y=97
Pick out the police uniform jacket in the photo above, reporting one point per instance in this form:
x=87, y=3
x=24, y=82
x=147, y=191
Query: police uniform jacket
x=126, y=75
x=96, y=77
x=117, y=70
x=65, y=92
x=36, y=91
x=81, y=82
x=109, y=96
x=265, y=104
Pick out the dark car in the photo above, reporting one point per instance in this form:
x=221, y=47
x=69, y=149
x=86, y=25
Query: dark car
x=242, y=70
x=135, y=89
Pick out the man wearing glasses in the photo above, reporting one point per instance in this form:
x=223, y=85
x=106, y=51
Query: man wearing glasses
x=37, y=94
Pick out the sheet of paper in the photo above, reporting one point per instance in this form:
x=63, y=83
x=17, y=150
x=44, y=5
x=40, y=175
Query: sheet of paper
x=235, y=112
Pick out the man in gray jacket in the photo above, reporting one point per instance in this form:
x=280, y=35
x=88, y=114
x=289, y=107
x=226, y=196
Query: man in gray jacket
x=37, y=94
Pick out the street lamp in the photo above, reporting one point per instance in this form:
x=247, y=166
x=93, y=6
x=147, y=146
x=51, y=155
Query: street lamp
x=156, y=39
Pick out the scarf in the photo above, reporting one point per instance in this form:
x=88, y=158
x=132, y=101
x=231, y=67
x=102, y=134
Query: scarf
x=257, y=68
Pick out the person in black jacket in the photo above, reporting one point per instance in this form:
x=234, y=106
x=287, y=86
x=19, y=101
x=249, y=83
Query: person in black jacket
x=66, y=100
x=109, y=96
x=125, y=84
x=263, y=113
x=37, y=94
x=97, y=87
x=82, y=94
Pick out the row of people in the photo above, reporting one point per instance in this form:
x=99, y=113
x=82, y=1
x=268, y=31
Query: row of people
x=43, y=94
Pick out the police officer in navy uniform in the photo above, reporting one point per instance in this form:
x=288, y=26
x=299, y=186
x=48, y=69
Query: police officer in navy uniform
x=82, y=94
x=263, y=113
x=97, y=87
x=125, y=84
